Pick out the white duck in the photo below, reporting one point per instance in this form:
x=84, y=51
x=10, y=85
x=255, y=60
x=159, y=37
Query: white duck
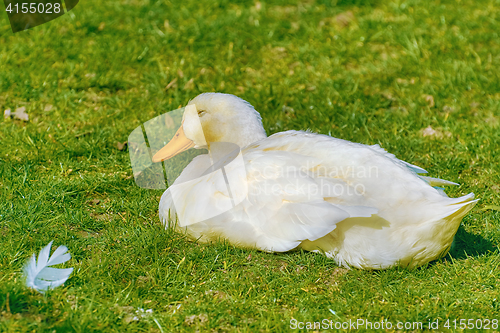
x=357, y=204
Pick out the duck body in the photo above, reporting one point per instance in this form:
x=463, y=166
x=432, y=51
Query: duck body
x=357, y=204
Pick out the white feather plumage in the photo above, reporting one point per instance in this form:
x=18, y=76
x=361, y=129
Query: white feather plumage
x=357, y=204
x=40, y=276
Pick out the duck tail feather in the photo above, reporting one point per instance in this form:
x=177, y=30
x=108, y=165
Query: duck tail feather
x=437, y=182
x=414, y=168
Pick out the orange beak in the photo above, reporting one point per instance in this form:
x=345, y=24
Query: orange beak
x=178, y=144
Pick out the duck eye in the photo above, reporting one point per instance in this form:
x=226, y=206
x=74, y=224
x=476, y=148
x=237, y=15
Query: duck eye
x=201, y=112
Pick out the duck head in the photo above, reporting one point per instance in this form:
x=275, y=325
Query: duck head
x=214, y=117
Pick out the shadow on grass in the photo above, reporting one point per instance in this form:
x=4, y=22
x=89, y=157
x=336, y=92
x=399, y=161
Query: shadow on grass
x=470, y=245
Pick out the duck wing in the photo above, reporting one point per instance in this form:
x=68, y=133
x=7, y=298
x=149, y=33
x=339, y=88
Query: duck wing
x=283, y=203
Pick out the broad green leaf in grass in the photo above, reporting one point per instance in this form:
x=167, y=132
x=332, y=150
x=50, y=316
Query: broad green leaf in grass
x=490, y=207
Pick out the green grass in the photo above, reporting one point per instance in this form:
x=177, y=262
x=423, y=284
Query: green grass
x=364, y=76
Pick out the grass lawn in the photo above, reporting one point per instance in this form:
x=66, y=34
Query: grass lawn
x=366, y=71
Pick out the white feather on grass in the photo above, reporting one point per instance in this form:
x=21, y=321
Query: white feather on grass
x=40, y=276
